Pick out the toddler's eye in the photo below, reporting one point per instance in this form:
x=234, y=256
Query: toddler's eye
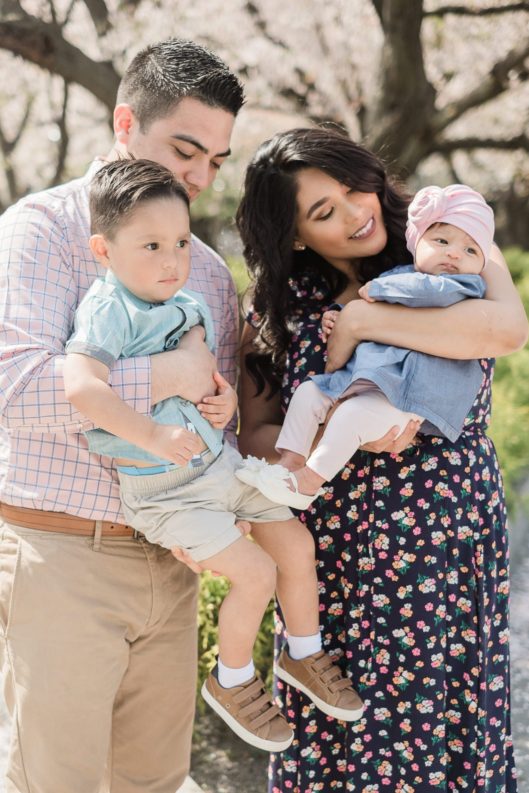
x=152, y=246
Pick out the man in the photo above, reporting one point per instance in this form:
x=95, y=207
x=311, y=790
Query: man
x=99, y=626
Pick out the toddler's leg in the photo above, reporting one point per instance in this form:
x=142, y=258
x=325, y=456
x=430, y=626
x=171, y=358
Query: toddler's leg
x=252, y=575
x=305, y=665
x=244, y=704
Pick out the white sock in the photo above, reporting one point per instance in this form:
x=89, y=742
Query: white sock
x=230, y=677
x=302, y=646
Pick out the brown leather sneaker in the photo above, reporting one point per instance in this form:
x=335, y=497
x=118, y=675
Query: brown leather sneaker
x=323, y=682
x=250, y=712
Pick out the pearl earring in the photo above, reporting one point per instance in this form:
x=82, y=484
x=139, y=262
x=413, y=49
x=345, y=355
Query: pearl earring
x=299, y=246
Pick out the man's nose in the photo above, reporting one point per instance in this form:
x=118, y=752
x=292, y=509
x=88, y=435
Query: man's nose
x=199, y=176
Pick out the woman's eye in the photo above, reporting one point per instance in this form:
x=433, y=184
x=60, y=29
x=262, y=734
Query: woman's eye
x=326, y=216
x=152, y=246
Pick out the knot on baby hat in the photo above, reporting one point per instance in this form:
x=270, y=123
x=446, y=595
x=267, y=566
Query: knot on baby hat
x=456, y=204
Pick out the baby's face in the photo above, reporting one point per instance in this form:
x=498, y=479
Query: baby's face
x=149, y=252
x=444, y=248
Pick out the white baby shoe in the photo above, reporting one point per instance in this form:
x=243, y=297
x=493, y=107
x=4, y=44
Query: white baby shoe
x=280, y=485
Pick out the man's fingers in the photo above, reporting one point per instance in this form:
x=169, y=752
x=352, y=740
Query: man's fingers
x=185, y=558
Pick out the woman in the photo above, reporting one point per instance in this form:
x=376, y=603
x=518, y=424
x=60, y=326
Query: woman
x=412, y=546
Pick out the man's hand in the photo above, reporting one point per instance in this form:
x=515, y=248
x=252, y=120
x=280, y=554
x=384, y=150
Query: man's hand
x=187, y=371
x=390, y=443
x=219, y=409
x=341, y=344
x=183, y=556
x=328, y=321
x=174, y=443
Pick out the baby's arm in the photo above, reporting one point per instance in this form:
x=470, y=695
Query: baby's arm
x=86, y=387
x=423, y=290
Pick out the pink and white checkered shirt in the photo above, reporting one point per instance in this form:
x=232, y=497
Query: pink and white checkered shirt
x=46, y=266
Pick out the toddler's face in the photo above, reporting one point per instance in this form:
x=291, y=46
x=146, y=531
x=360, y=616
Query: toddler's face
x=149, y=253
x=444, y=248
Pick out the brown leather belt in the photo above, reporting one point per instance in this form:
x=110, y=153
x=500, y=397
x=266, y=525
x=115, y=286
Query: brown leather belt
x=61, y=522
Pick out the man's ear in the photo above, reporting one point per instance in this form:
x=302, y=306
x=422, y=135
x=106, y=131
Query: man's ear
x=99, y=247
x=123, y=121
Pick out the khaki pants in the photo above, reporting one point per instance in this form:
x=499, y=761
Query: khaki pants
x=98, y=649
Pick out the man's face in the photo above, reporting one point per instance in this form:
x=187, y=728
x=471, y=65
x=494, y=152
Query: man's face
x=192, y=141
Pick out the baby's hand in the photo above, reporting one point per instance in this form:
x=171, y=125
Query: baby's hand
x=219, y=409
x=363, y=292
x=175, y=443
x=327, y=323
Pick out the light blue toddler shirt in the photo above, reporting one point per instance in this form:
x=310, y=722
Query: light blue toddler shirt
x=111, y=323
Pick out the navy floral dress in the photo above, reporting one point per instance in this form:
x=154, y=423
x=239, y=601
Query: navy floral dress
x=414, y=583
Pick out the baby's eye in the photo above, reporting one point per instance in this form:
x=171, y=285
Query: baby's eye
x=152, y=246
x=472, y=251
x=441, y=240
x=182, y=243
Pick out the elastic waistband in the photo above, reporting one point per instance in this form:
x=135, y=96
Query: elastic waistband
x=165, y=480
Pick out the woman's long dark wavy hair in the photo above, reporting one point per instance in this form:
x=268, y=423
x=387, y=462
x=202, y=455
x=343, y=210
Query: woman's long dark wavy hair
x=266, y=219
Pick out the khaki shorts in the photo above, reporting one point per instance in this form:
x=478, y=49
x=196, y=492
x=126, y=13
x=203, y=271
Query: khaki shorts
x=196, y=509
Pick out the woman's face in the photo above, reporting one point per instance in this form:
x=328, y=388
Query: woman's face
x=337, y=222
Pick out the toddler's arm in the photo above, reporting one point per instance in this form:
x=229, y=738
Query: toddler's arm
x=219, y=409
x=86, y=387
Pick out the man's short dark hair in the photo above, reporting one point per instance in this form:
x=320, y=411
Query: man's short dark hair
x=119, y=187
x=164, y=73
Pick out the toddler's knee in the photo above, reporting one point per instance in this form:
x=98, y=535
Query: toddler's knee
x=259, y=576
x=304, y=554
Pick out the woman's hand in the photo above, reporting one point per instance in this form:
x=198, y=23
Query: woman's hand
x=392, y=444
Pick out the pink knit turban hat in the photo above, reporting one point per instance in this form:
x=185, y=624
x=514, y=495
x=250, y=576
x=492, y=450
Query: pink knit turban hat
x=456, y=204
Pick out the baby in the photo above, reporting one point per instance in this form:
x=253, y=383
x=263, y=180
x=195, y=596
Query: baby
x=450, y=233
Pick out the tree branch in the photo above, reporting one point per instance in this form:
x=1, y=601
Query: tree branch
x=261, y=24
x=100, y=16
x=476, y=12
x=64, y=139
x=467, y=144
x=491, y=86
x=43, y=44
